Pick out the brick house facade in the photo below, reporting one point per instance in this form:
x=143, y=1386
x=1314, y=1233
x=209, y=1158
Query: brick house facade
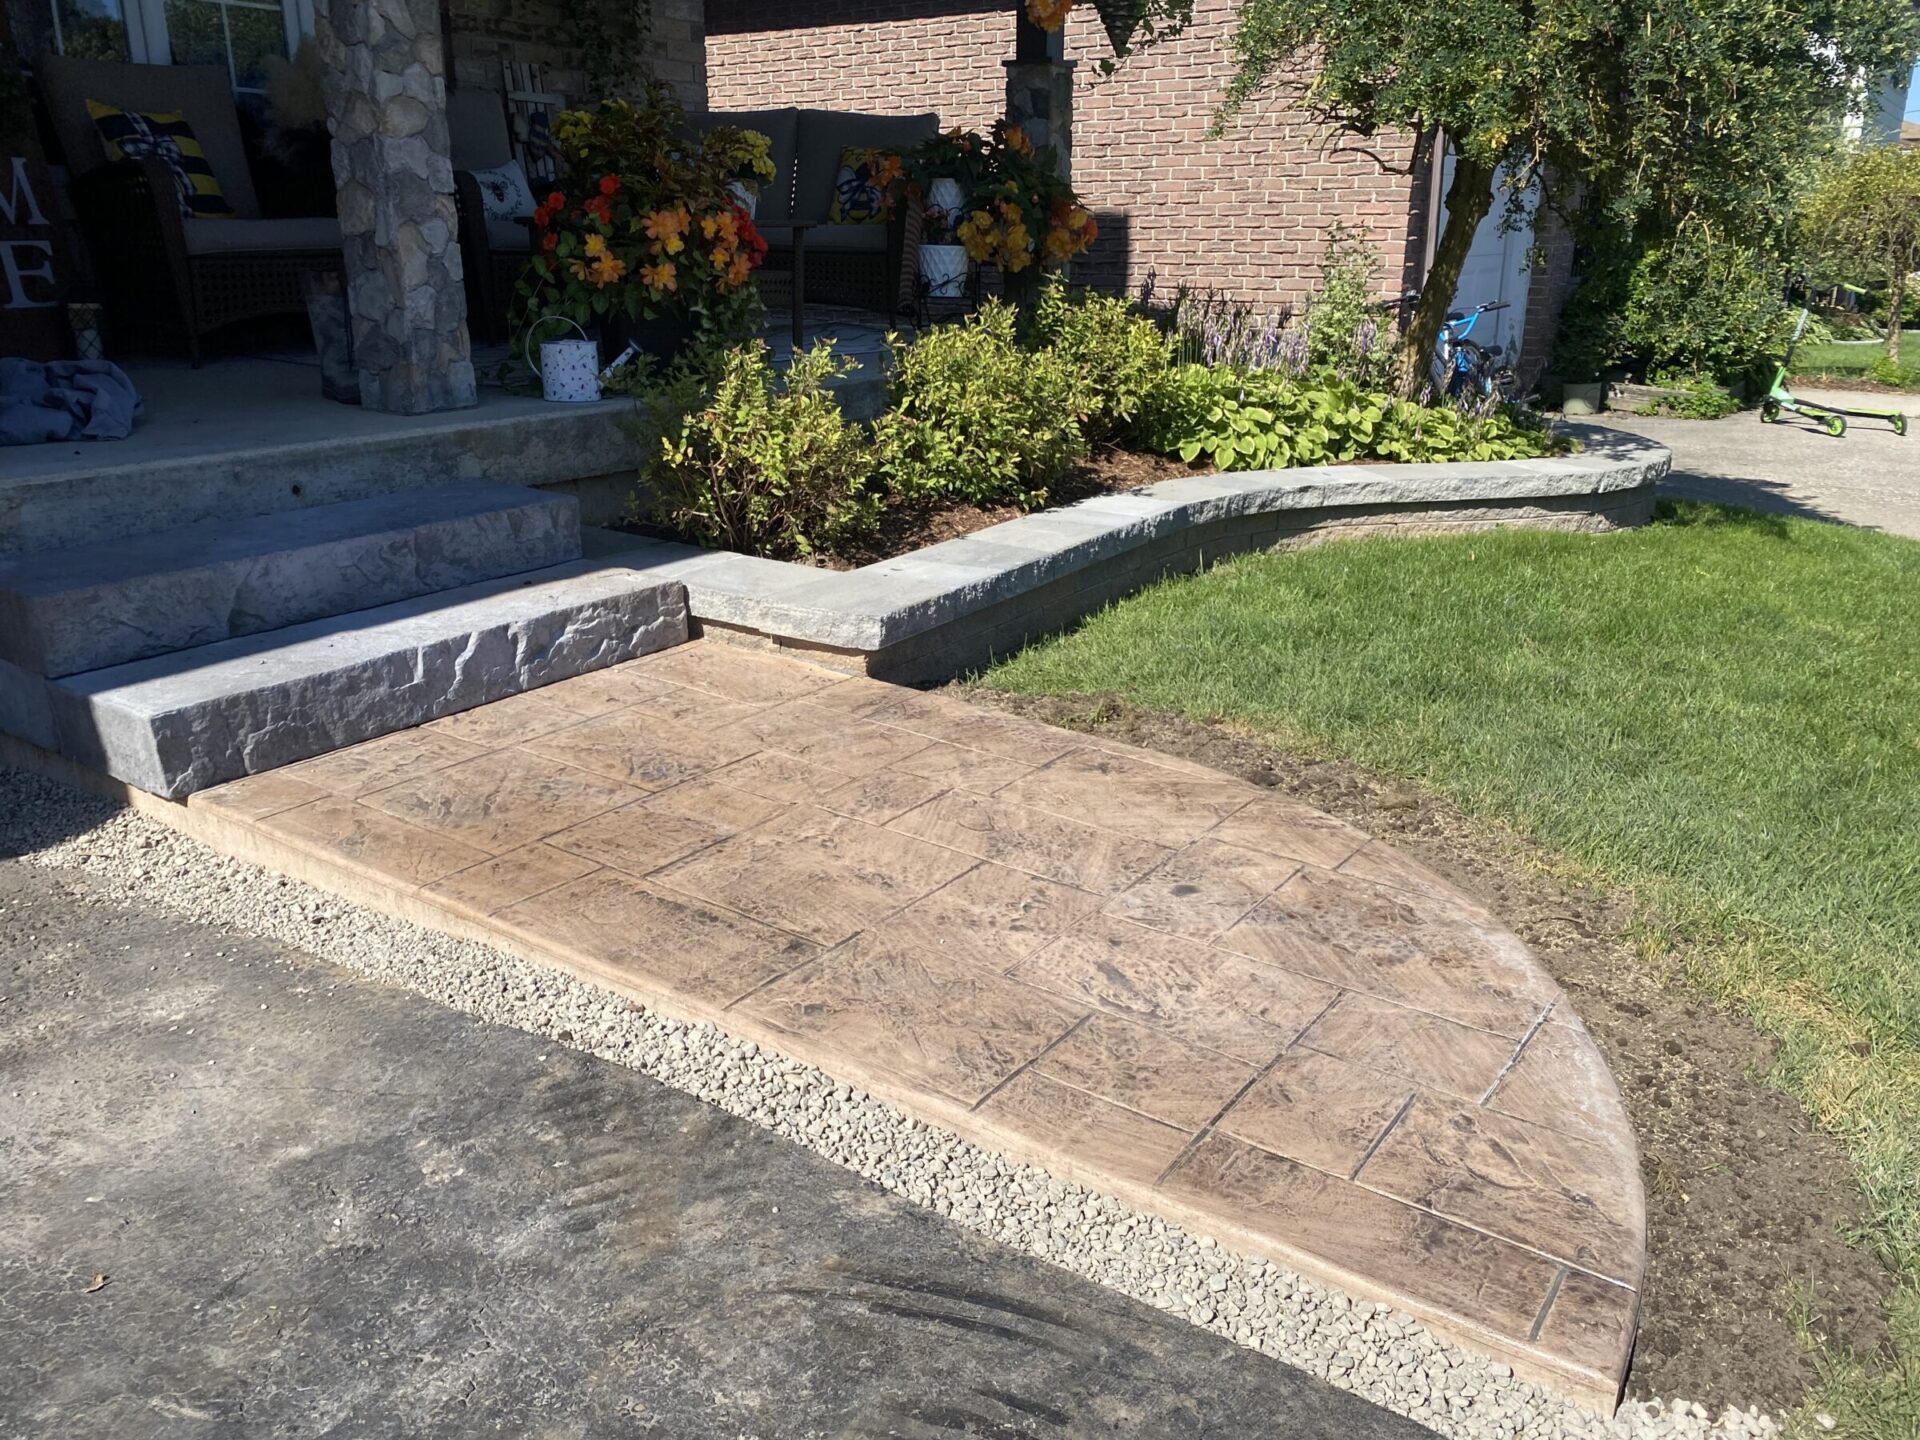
x=1248, y=212
x=481, y=34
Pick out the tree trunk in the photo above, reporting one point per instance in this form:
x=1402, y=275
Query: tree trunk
x=1469, y=198
x=1896, y=302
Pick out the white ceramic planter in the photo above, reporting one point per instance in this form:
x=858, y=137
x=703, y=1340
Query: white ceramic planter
x=944, y=268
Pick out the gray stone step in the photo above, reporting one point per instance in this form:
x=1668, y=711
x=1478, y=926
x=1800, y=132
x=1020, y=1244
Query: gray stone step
x=173, y=724
x=67, y=611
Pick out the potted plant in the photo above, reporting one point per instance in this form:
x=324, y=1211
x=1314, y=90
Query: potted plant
x=643, y=241
x=993, y=199
x=748, y=154
x=1022, y=216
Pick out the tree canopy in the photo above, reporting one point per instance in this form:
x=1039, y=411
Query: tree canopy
x=1676, y=111
x=1868, y=208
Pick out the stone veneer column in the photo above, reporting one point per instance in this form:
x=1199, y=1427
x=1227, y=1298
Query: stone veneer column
x=1040, y=100
x=387, y=110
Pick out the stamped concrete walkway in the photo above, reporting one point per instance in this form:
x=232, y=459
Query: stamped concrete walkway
x=1149, y=977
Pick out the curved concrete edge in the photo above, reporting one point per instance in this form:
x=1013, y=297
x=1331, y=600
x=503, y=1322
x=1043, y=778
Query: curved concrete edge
x=1581, y=1342
x=882, y=605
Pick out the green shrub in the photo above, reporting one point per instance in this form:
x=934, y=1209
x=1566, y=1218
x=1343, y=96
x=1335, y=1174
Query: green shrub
x=751, y=460
x=1269, y=421
x=1347, y=334
x=1116, y=354
x=974, y=417
x=1262, y=420
x=1903, y=373
x=1702, y=305
x=1412, y=433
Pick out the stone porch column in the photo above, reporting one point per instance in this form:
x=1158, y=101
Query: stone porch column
x=1040, y=89
x=387, y=111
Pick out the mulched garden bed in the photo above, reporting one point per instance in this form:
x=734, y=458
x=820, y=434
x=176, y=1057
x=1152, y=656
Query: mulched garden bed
x=1746, y=1202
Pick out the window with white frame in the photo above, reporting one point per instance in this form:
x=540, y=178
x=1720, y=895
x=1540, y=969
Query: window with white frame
x=242, y=35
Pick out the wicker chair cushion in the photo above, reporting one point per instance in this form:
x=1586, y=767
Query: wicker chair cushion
x=826, y=134
x=200, y=93
x=260, y=237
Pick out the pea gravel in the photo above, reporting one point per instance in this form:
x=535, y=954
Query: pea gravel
x=1369, y=1349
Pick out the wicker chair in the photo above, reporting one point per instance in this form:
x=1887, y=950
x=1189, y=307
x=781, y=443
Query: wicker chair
x=167, y=279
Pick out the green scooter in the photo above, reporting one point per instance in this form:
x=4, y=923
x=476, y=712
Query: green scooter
x=1832, y=417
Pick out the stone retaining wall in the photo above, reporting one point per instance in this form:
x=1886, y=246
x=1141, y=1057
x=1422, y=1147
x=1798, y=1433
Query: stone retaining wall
x=926, y=617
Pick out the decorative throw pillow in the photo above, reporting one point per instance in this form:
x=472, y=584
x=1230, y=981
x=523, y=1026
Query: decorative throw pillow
x=504, y=192
x=858, y=194
x=129, y=135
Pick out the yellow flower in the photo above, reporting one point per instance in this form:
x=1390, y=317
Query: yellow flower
x=1018, y=141
x=596, y=244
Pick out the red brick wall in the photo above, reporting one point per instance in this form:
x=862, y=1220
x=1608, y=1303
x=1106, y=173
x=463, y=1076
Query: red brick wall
x=1247, y=213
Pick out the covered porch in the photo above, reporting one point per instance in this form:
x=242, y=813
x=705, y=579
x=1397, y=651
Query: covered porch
x=400, y=88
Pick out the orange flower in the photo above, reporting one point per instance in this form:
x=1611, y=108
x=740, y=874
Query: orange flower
x=1019, y=141
x=665, y=227
x=740, y=268
x=1048, y=14
x=661, y=276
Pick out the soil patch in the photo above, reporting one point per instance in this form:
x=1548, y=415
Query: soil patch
x=908, y=528
x=1746, y=1203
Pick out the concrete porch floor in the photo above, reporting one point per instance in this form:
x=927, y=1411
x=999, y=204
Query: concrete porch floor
x=252, y=435
x=1145, y=976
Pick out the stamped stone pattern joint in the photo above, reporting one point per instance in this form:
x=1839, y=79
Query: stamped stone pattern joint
x=1143, y=975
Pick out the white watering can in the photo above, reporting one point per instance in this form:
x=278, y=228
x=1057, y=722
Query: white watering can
x=569, y=369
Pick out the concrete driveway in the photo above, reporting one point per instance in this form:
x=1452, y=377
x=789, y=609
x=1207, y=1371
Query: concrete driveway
x=250, y=1193
x=1868, y=477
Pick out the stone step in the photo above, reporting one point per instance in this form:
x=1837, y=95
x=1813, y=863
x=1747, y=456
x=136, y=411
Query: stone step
x=63, y=612
x=173, y=724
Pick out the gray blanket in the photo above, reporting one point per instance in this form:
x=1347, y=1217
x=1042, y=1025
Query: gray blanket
x=65, y=400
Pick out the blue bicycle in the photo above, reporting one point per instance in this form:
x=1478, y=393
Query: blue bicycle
x=1466, y=367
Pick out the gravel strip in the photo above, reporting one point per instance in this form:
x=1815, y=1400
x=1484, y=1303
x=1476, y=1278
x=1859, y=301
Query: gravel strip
x=1386, y=1357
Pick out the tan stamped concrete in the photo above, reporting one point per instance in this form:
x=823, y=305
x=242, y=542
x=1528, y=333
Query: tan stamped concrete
x=1147, y=976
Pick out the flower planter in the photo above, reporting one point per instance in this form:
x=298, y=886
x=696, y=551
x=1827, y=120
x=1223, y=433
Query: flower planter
x=943, y=268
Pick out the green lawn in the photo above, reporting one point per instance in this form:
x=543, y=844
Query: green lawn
x=1841, y=361
x=1721, y=711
